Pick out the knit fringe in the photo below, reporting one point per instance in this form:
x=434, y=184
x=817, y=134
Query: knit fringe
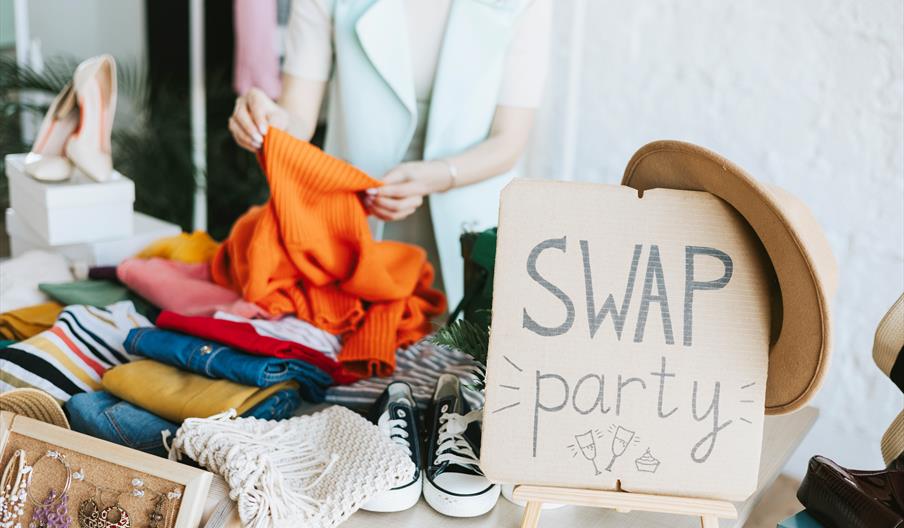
x=267, y=469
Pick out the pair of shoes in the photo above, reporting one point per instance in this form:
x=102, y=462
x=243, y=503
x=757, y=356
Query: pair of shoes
x=839, y=497
x=451, y=480
x=77, y=127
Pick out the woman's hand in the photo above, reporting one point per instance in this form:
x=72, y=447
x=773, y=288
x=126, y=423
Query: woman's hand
x=254, y=113
x=405, y=187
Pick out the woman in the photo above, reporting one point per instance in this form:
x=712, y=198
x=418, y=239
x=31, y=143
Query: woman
x=436, y=98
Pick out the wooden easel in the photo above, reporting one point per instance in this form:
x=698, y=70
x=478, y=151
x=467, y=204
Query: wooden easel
x=709, y=511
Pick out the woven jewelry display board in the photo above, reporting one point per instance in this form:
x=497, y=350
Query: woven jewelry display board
x=153, y=492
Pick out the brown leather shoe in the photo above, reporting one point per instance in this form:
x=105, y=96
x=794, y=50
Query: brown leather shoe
x=841, y=498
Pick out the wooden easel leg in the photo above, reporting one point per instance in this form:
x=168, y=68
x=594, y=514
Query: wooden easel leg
x=531, y=515
x=709, y=521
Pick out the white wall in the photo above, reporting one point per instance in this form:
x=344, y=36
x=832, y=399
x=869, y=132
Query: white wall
x=84, y=28
x=807, y=94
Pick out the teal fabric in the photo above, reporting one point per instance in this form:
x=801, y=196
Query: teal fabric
x=5, y=343
x=801, y=520
x=99, y=293
x=373, y=110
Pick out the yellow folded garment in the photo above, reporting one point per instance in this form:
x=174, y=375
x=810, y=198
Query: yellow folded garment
x=184, y=247
x=175, y=395
x=19, y=325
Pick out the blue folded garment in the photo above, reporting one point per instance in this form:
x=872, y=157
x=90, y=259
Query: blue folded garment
x=215, y=360
x=102, y=415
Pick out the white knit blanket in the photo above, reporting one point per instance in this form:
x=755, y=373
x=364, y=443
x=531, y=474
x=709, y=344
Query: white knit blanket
x=312, y=471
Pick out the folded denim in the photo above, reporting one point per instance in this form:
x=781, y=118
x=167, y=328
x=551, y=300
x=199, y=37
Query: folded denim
x=102, y=415
x=243, y=336
x=175, y=395
x=215, y=360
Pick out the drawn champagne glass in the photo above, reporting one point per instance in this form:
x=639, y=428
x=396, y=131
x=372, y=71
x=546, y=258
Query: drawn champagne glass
x=620, y=441
x=587, y=445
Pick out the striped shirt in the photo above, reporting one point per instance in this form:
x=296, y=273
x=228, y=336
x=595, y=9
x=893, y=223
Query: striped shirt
x=420, y=365
x=72, y=356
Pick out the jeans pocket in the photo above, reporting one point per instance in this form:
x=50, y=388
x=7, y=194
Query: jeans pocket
x=277, y=407
x=137, y=428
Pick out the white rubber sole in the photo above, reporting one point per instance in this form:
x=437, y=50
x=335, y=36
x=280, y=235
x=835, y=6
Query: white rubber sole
x=396, y=499
x=458, y=505
x=508, y=490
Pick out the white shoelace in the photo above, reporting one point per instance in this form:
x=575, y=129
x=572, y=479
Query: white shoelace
x=394, y=429
x=451, y=444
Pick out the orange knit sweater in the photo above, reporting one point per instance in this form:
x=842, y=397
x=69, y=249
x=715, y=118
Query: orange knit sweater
x=308, y=251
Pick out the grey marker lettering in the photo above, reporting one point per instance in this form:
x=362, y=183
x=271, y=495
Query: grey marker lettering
x=711, y=436
x=597, y=400
x=662, y=376
x=594, y=320
x=654, y=273
x=622, y=385
x=538, y=406
x=527, y=321
x=690, y=284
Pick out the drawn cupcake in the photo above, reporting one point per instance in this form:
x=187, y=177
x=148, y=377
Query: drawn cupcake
x=647, y=463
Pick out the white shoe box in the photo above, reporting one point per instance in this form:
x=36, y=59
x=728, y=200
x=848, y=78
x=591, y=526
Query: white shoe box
x=73, y=211
x=145, y=230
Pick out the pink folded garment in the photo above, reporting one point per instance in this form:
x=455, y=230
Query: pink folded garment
x=182, y=288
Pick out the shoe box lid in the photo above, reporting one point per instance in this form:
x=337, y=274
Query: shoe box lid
x=145, y=230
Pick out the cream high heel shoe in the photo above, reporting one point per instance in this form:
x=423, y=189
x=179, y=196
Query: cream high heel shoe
x=89, y=147
x=46, y=161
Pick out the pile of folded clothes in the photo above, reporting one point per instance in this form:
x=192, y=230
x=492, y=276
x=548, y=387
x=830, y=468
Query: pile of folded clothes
x=294, y=306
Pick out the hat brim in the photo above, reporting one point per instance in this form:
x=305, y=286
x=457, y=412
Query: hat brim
x=893, y=439
x=35, y=404
x=805, y=269
x=888, y=345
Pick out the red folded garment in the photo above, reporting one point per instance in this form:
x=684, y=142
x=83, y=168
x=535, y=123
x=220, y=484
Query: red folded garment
x=244, y=337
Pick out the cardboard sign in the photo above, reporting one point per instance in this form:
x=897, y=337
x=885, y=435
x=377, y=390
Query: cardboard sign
x=629, y=342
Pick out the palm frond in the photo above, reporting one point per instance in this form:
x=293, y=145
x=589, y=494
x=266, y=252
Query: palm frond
x=465, y=336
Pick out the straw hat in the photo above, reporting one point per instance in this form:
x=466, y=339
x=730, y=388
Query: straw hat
x=893, y=439
x=34, y=403
x=805, y=270
x=888, y=353
x=888, y=346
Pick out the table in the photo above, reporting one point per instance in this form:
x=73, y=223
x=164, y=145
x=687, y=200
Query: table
x=781, y=436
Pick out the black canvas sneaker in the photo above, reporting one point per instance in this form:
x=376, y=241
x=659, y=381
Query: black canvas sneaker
x=454, y=484
x=395, y=413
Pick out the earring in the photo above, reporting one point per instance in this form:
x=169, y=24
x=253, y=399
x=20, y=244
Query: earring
x=45, y=515
x=159, y=516
x=14, y=490
x=90, y=515
x=137, y=484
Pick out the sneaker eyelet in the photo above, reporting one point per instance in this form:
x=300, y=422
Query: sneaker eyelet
x=445, y=408
x=401, y=413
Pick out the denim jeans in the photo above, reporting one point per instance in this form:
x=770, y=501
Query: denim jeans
x=215, y=360
x=102, y=415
